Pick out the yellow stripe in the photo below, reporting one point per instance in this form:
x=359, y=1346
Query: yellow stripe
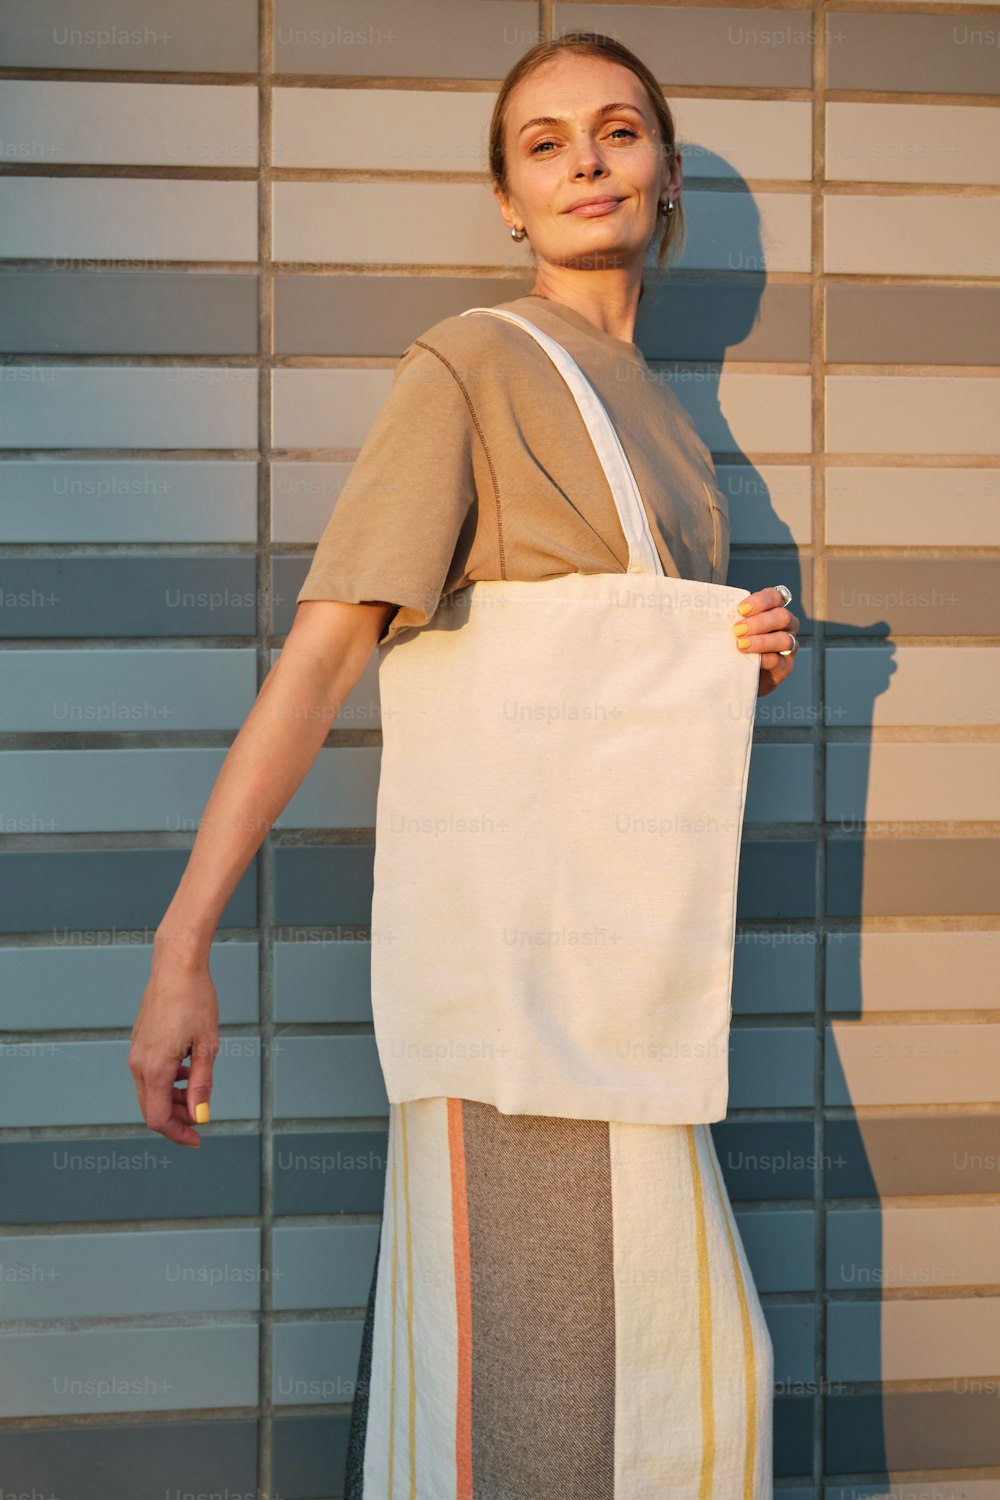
x=749, y=1362
x=705, y=1484
x=409, y=1312
x=392, y=1295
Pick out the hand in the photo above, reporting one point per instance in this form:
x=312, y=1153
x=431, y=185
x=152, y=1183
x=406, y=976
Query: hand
x=766, y=627
x=175, y=1039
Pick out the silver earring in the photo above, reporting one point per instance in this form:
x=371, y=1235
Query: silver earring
x=518, y=234
x=668, y=207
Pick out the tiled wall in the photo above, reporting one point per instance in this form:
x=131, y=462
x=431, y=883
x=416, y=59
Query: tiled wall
x=219, y=226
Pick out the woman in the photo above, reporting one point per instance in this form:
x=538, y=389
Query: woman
x=600, y=1335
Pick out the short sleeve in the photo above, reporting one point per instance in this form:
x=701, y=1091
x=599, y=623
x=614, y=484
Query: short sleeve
x=396, y=523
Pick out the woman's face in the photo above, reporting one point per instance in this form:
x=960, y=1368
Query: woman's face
x=563, y=145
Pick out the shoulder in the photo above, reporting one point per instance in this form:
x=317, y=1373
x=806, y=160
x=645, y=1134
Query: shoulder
x=462, y=344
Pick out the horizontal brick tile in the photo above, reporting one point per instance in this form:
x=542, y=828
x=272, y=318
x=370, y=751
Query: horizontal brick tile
x=107, y=1370
x=123, y=406
x=94, y=983
x=138, y=1461
x=329, y=1171
x=105, y=221
x=127, y=312
x=123, y=500
x=84, y=894
x=85, y=596
x=154, y=1271
x=56, y=34
x=77, y=1180
x=327, y=1077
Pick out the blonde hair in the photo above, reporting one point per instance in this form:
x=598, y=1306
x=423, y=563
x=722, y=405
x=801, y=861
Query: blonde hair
x=672, y=234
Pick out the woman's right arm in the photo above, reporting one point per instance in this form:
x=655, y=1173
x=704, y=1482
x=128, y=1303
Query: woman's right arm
x=323, y=657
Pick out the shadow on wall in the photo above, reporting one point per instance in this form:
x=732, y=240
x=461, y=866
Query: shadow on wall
x=815, y=885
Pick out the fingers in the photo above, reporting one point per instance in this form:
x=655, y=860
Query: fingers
x=167, y=1114
x=199, y=1089
x=166, y=1108
x=767, y=630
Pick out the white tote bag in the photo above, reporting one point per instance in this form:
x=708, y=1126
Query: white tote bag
x=558, y=827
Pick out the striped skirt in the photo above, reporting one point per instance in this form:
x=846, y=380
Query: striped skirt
x=560, y=1310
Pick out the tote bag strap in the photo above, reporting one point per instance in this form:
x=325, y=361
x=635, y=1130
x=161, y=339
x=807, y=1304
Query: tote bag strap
x=642, y=554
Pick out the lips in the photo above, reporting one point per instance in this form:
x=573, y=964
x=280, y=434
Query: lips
x=589, y=207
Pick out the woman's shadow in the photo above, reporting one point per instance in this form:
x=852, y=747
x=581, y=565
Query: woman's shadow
x=799, y=902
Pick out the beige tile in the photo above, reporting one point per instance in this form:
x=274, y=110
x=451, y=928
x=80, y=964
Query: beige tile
x=303, y=496
x=912, y=414
x=745, y=138
x=756, y=413
x=433, y=130
x=124, y=406
x=910, y=877
x=929, y=54
x=326, y=408
x=925, y=507
x=911, y=235
x=391, y=223
x=768, y=502
x=459, y=223
x=917, y=143
x=747, y=232
x=921, y=1064
x=868, y=972
x=705, y=44
x=911, y=783
x=912, y=325
x=922, y=1247
x=152, y=220
x=891, y=685
x=921, y=595
x=938, y=1338
x=444, y=130
x=136, y=124
x=399, y=39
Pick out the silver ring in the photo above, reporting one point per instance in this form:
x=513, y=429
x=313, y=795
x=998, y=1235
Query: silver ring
x=786, y=593
x=793, y=647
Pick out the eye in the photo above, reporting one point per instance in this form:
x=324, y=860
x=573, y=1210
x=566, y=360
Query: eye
x=618, y=130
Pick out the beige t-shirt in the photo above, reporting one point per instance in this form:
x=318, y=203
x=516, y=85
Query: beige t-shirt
x=479, y=466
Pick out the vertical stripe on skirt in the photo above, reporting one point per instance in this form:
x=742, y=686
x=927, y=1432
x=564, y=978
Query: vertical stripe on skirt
x=560, y=1310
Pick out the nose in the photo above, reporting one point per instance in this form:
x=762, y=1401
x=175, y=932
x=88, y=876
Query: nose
x=588, y=160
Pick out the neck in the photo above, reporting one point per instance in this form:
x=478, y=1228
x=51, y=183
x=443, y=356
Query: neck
x=612, y=310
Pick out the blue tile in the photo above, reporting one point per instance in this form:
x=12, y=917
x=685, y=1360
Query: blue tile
x=79, y=896
x=142, y=1461
x=52, y=988
x=324, y=884
x=142, y=1273
x=330, y=1171
x=317, y=980
x=315, y=1362
x=89, y=1083
x=128, y=596
x=323, y=1265
x=328, y=1077
x=82, y=1180
x=117, y=690
x=129, y=1369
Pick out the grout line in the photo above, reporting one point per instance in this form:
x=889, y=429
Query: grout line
x=267, y=856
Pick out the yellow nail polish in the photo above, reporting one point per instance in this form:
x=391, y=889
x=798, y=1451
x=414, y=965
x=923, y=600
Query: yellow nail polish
x=201, y=1113
x=745, y=607
x=740, y=629
x=743, y=645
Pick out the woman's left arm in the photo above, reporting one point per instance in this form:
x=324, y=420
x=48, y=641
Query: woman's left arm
x=768, y=627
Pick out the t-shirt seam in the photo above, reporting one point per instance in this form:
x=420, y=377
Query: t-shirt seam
x=420, y=343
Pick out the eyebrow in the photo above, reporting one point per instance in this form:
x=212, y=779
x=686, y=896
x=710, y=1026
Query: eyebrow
x=599, y=114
